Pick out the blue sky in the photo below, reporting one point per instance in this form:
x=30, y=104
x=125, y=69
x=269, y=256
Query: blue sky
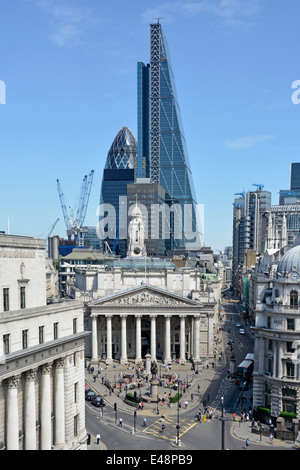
x=69, y=69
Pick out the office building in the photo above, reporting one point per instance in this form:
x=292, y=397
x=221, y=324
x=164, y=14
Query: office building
x=162, y=152
x=118, y=172
x=249, y=230
x=151, y=200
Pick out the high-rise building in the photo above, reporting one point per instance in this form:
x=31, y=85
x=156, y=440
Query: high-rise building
x=249, y=229
x=291, y=195
x=118, y=172
x=162, y=153
x=151, y=200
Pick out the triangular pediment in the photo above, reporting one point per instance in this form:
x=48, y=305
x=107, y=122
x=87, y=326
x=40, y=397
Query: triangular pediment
x=145, y=296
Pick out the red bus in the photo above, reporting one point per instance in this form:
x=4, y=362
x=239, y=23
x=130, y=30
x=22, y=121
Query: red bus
x=244, y=371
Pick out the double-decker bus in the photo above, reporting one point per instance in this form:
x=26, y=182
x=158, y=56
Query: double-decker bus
x=244, y=371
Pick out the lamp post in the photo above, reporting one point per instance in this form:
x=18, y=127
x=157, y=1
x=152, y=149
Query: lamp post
x=223, y=426
x=178, y=420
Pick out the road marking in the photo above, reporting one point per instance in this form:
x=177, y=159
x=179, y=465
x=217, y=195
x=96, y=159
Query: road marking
x=170, y=431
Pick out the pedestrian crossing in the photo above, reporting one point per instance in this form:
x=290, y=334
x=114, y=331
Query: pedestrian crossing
x=217, y=402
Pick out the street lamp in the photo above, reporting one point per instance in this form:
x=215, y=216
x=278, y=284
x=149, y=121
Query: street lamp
x=223, y=419
x=178, y=407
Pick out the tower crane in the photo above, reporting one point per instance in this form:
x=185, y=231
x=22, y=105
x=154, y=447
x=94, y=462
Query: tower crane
x=240, y=194
x=73, y=222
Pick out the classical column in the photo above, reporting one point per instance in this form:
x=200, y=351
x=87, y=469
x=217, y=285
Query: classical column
x=280, y=356
x=123, y=340
x=12, y=424
x=153, y=337
x=94, y=339
x=197, y=338
x=109, y=338
x=182, y=338
x=167, y=338
x=274, y=358
x=138, y=338
x=261, y=355
x=59, y=403
x=45, y=413
x=30, y=410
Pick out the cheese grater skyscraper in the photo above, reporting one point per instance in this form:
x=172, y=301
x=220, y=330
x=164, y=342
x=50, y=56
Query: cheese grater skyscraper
x=162, y=153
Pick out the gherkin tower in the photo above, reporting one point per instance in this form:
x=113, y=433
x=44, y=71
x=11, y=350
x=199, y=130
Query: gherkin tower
x=118, y=172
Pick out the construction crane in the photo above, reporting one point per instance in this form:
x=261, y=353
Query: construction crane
x=52, y=228
x=239, y=194
x=73, y=222
x=259, y=186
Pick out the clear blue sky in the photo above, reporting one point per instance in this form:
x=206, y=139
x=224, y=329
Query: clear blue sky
x=70, y=73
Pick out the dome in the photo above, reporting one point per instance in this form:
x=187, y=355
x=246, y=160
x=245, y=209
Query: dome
x=290, y=261
x=136, y=212
x=123, y=151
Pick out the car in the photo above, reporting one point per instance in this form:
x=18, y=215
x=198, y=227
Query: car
x=98, y=401
x=89, y=395
x=242, y=331
x=243, y=385
x=238, y=325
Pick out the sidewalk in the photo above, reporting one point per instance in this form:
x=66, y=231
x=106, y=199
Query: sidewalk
x=242, y=431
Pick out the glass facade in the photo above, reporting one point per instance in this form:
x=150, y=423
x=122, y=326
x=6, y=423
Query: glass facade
x=118, y=172
x=295, y=176
x=162, y=152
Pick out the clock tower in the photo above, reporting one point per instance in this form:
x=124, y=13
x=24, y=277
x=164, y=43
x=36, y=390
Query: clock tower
x=136, y=232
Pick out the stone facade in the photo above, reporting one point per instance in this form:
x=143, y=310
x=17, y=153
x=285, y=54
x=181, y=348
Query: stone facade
x=42, y=403
x=276, y=286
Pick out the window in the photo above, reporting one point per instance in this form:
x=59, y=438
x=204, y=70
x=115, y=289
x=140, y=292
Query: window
x=22, y=297
x=6, y=344
x=74, y=326
x=76, y=425
x=76, y=392
x=293, y=299
x=289, y=402
x=41, y=334
x=290, y=369
x=289, y=347
x=25, y=339
x=55, y=331
x=6, y=299
x=291, y=324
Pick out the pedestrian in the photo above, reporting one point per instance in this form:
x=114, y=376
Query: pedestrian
x=98, y=438
x=120, y=422
x=185, y=404
x=145, y=422
x=247, y=443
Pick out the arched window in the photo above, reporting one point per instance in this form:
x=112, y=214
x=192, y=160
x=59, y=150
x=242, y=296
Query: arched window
x=293, y=299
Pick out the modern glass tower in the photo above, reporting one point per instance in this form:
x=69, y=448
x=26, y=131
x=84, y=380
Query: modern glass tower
x=162, y=153
x=118, y=172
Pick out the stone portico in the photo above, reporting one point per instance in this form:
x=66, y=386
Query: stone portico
x=147, y=319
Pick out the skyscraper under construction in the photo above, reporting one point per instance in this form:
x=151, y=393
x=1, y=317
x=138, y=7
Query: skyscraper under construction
x=162, y=153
